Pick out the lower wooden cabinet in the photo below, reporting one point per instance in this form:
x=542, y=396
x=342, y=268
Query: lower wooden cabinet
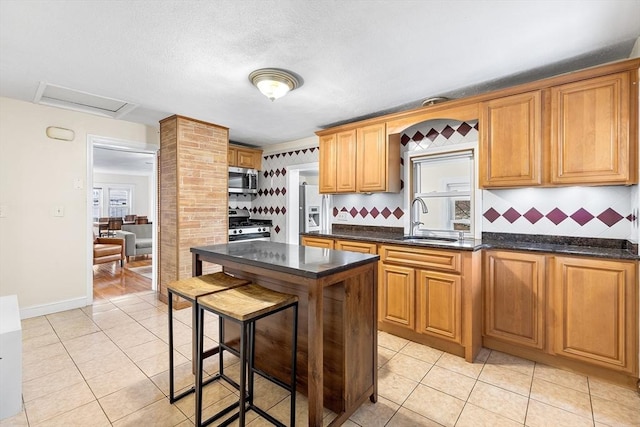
x=421, y=291
x=439, y=305
x=595, y=309
x=397, y=296
x=514, y=297
x=575, y=312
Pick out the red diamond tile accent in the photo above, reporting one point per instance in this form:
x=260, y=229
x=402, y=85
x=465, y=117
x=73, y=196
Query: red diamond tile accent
x=556, y=216
x=386, y=213
x=277, y=172
x=271, y=173
x=335, y=211
x=284, y=191
x=374, y=212
x=353, y=212
x=277, y=210
x=283, y=210
x=418, y=136
x=631, y=217
x=271, y=210
x=266, y=174
x=405, y=139
x=277, y=191
x=363, y=212
x=533, y=215
x=432, y=134
x=277, y=229
x=491, y=215
x=447, y=131
x=581, y=216
x=464, y=129
x=511, y=215
x=284, y=170
x=271, y=191
x=398, y=213
x=610, y=217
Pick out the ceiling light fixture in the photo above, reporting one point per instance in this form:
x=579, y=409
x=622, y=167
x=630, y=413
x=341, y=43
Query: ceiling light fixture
x=273, y=82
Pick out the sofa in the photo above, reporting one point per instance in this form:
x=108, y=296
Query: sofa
x=138, y=239
x=108, y=249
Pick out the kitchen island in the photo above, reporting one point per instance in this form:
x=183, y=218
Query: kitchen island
x=337, y=337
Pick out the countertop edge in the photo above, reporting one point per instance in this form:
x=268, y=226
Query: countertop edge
x=590, y=251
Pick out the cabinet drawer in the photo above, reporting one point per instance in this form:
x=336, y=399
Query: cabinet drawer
x=432, y=259
x=317, y=242
x=353, y=246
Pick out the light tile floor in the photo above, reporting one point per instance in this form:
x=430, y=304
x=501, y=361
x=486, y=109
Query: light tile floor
x=107, y=364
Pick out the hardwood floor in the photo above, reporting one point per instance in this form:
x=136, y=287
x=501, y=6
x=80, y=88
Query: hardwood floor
x=110, y=280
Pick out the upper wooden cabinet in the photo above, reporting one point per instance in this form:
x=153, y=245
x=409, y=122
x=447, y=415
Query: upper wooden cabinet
x=511, y=141
x=244, y=157
x=578, y=133
x=595, y=310
x=590, y=132
x=359, y=161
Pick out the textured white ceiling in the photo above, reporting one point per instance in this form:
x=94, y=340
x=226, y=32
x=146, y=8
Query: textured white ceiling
x=356, y=57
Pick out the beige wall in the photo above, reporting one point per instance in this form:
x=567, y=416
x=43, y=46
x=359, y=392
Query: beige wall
x=43, y=259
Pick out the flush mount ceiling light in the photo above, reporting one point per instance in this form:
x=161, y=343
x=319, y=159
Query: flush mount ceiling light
x=274, y=83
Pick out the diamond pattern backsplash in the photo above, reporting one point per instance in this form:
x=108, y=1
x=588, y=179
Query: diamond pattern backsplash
x=605, y=212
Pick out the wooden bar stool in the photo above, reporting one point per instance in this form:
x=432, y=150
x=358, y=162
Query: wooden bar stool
x=244, y=305
x=191, y=289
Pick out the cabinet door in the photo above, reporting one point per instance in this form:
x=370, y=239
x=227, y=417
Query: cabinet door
x=511, y=141
x=590, y=131
x=439, y=302
x=246, y=158
x=371, y=154
x=317, y=242
x=514, y=290
x=346, y=162
x=353, y=246
x=397, y=295
x=232, y=156
x=595, y=312
x=327, y=164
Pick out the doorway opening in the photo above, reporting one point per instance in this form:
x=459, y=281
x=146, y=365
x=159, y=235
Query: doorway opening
x=122, y=199
x=298, y=214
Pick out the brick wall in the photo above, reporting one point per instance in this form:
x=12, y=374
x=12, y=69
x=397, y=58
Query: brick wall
x=193, y=193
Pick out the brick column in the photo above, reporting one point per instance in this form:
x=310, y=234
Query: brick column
x=193, y=197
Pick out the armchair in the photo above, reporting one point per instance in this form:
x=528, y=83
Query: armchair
x=108, y=249
x=138, y=239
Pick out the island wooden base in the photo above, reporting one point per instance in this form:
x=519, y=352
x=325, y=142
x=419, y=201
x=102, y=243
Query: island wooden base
x=337, y=335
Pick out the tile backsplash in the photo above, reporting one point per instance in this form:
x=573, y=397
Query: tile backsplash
x=603, y=212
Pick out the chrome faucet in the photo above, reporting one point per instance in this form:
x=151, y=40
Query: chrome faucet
x=424, y=208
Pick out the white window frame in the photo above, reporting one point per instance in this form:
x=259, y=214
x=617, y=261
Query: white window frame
x=105, y=205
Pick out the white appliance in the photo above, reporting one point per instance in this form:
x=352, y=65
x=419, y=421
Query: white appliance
x=311, y=212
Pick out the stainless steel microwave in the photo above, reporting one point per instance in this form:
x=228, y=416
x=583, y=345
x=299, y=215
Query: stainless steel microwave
x=243, y=180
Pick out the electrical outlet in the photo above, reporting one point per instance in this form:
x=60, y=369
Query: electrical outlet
x=342, y=216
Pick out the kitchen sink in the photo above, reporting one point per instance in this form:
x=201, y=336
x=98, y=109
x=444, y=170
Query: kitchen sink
x=430, y=239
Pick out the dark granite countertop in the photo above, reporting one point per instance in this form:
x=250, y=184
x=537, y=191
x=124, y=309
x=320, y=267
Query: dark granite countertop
x=293, y=259
x=593, y=247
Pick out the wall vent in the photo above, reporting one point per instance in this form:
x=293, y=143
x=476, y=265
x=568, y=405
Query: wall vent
x=62, y=97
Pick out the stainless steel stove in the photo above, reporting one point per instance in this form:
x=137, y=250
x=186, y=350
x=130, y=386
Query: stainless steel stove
x=244, y=229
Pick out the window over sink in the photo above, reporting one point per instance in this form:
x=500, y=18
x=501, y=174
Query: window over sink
x=445, y=182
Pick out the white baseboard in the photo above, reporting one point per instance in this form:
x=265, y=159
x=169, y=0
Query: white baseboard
x=54, y=307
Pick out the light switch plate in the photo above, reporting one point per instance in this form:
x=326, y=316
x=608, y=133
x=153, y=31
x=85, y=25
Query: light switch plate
x=342, y=216
x=78, y=184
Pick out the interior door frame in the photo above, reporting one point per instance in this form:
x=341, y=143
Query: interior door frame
x=94, y=141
